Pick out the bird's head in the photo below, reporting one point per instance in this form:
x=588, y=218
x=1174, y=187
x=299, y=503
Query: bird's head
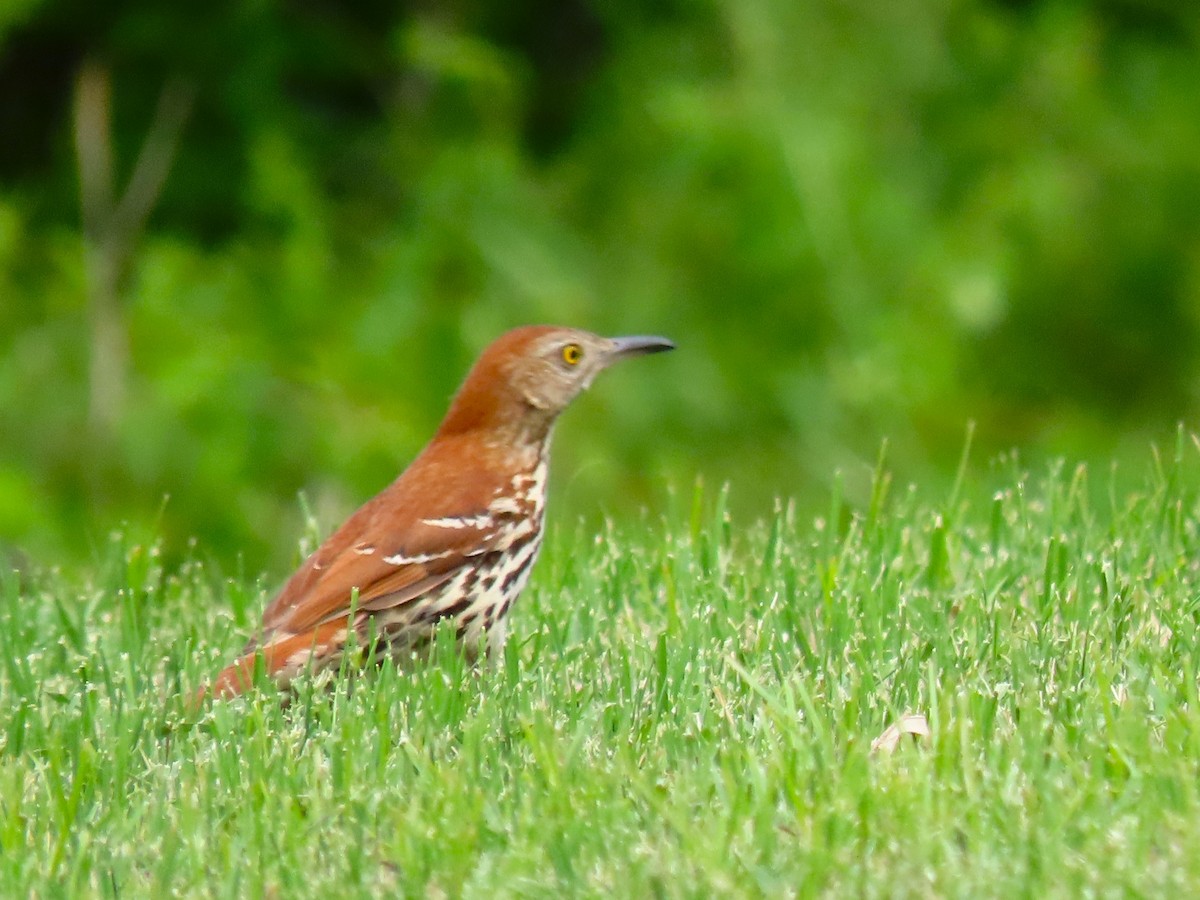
x=526, y=377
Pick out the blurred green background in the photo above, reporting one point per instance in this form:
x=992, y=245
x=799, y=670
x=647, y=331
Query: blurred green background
x=248, y=248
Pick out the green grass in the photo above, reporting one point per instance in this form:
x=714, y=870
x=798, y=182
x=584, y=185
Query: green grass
x=686, y=708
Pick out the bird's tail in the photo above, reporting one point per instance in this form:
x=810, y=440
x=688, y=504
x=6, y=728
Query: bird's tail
x=280, y=659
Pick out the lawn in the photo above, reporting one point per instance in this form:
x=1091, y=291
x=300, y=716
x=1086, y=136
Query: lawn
x=688, y=706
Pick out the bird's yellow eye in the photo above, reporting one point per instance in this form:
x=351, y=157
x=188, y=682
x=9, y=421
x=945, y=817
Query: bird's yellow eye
x=572, y=354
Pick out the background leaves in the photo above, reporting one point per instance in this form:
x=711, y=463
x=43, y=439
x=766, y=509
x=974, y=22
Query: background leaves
x=858, y=220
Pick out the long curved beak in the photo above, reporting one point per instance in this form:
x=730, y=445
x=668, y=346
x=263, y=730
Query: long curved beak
x=637, y=345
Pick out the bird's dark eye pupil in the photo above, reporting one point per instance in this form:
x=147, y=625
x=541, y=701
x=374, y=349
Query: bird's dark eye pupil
x=572, y=353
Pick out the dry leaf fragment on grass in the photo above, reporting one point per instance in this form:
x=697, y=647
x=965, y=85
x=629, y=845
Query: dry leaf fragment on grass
x=913, y=723
x=1161, y=631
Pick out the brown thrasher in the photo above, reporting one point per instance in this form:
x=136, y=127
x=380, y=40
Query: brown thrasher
x=455, y=535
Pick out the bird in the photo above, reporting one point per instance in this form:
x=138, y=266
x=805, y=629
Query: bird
x=453, y=537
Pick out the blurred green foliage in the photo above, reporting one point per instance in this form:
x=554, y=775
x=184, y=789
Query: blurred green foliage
x=858, y=220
